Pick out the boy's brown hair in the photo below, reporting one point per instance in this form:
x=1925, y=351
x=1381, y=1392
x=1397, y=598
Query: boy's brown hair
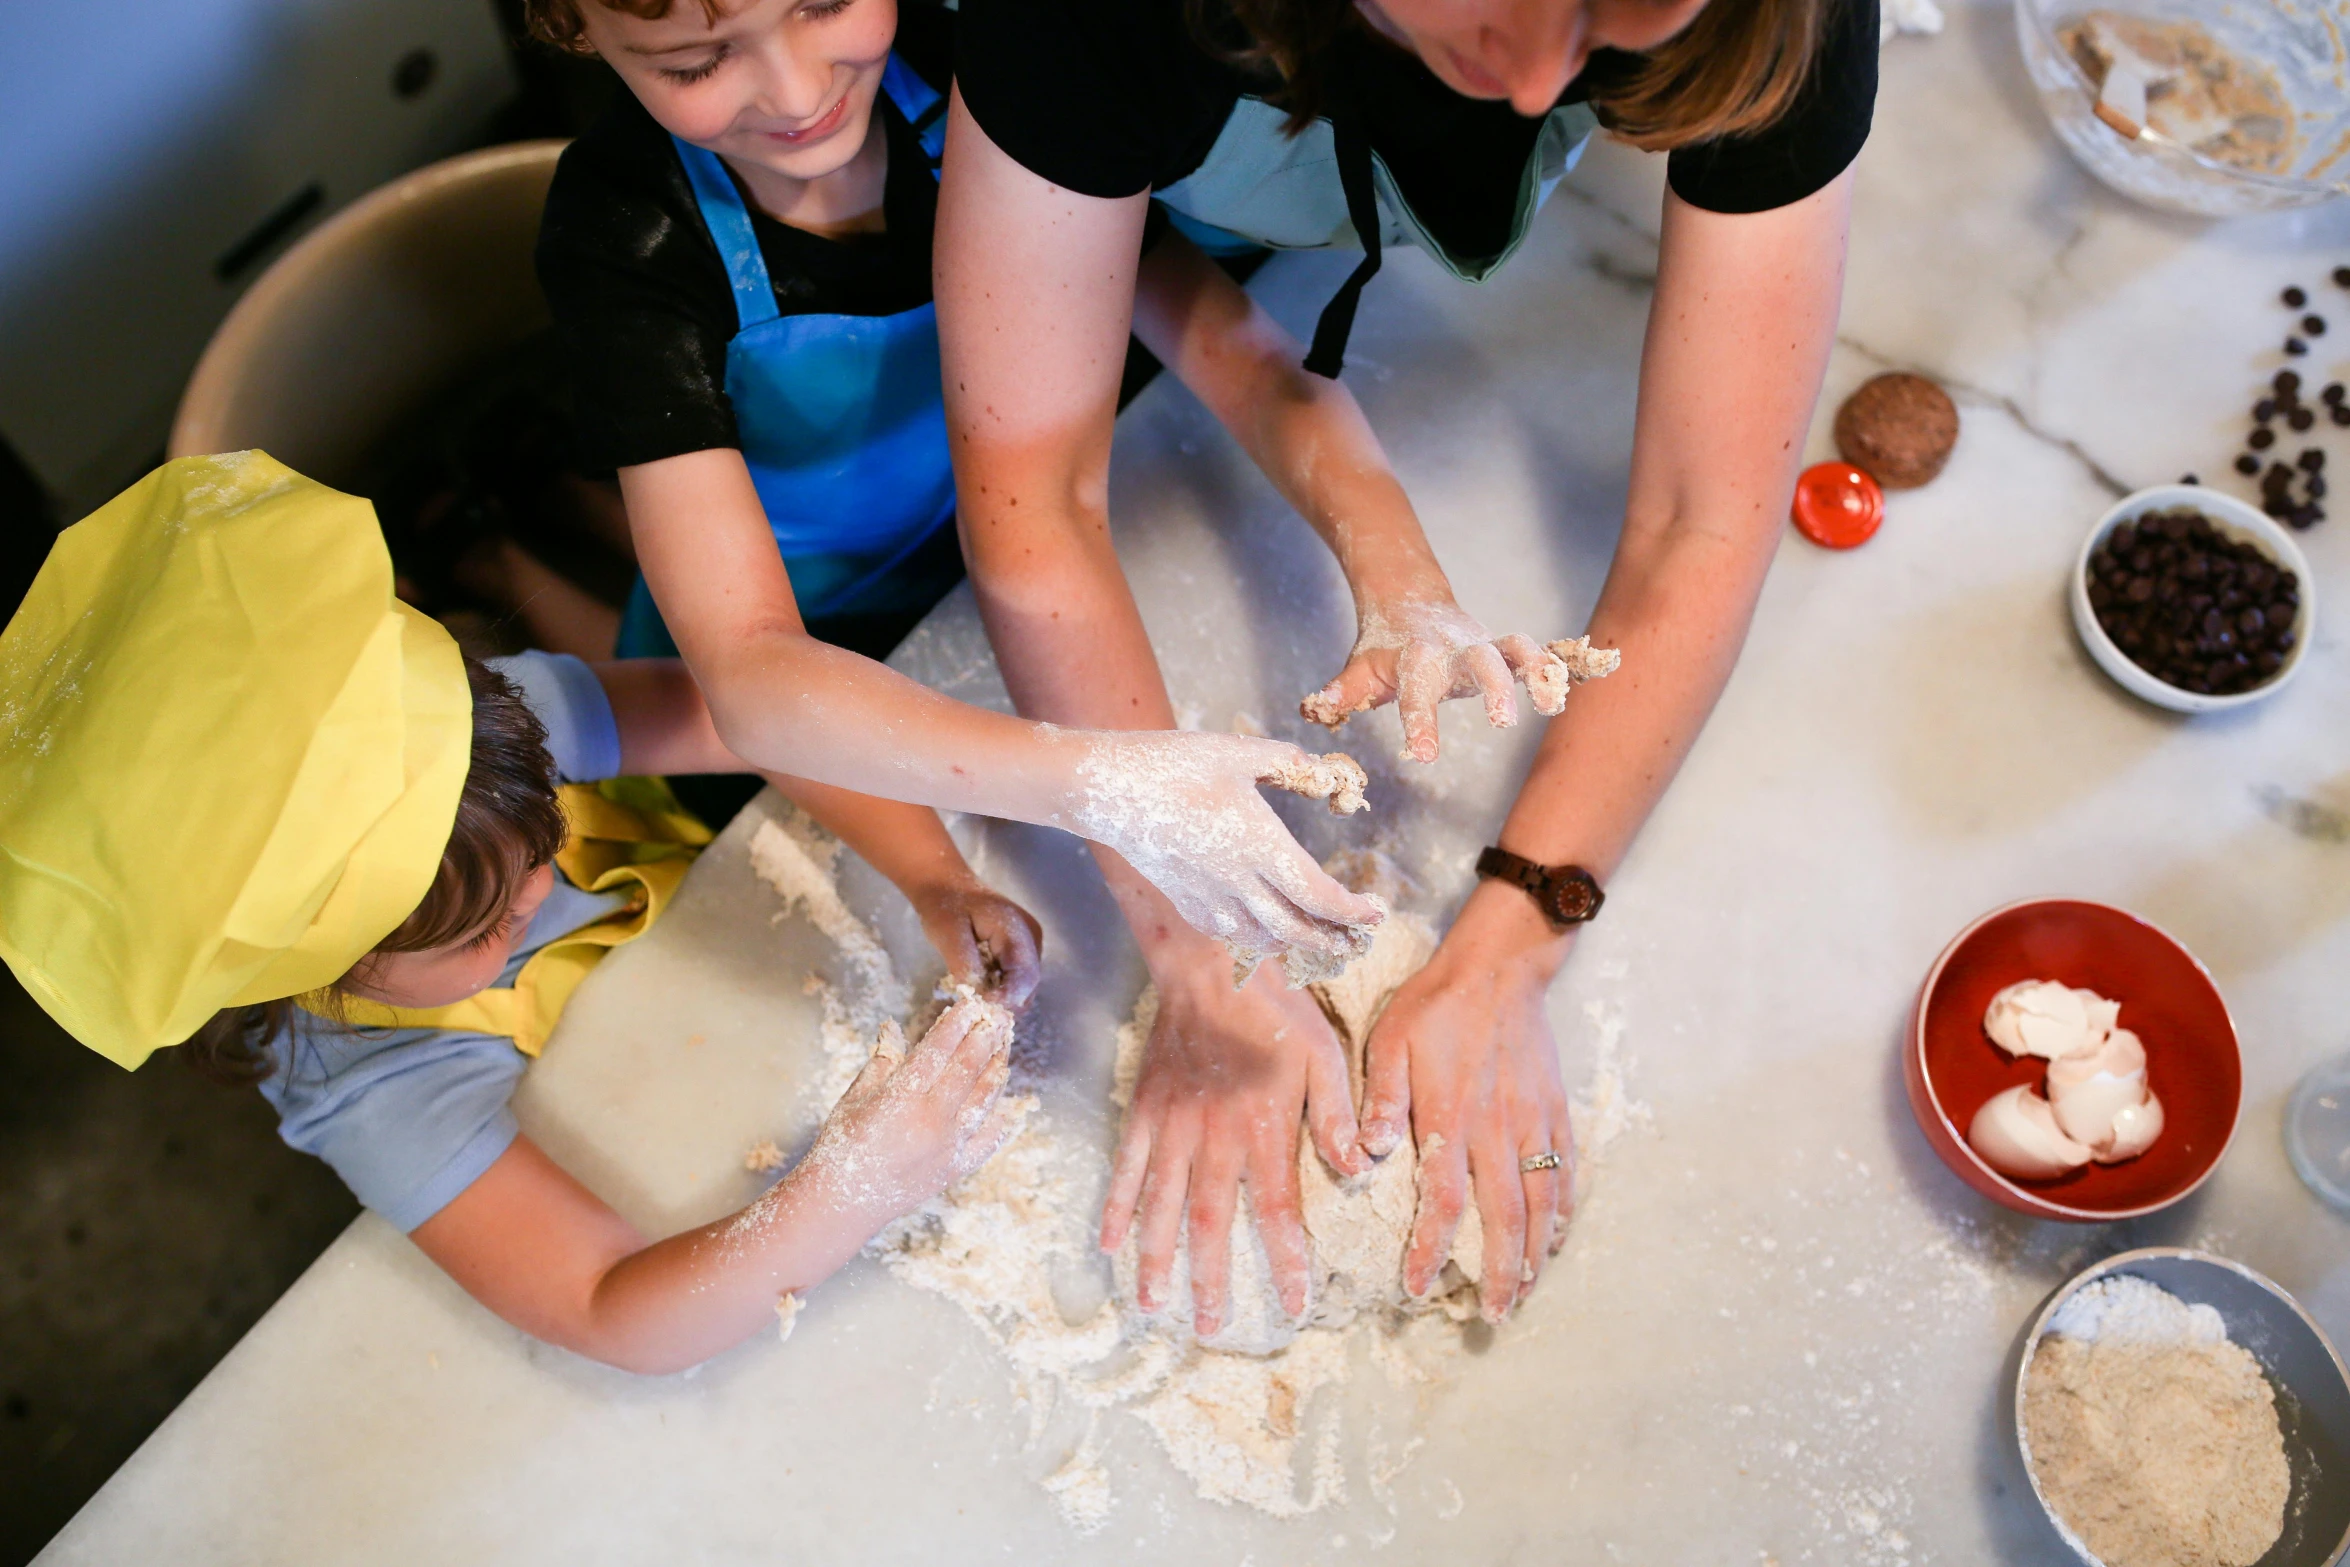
x=508, y=825
x=558, y=22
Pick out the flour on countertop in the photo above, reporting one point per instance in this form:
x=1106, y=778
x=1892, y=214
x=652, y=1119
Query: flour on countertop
x=1013, y=1245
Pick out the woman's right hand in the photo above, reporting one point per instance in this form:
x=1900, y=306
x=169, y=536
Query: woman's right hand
x=915, y=1122
x=1183, y=809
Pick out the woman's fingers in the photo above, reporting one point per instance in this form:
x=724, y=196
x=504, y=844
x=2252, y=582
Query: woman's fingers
x=1423, y=679
x=1387, y=1091
x=1215, y=1193
x=1501, y=1206
x=1272, y=1191
x=1330, y=1109
x=1361, y=685
x=1543, y=672
x=1127, y=1170
x=1484, y=665
x=1164, y=1191
x=1541, y=1197
x=1444, y=1180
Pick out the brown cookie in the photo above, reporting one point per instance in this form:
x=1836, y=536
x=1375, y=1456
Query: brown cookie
x=1899, y=428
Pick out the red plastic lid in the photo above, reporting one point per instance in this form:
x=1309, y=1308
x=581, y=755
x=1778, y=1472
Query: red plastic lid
x=1838, y=506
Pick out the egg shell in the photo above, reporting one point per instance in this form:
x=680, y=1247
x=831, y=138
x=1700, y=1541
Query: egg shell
x=2017, y=1135
x=2134, y=1131
x=2039, y=1017
x=2087, y=1092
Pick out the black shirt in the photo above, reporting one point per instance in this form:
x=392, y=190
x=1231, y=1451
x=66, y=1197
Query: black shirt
x=641, y=300
x=1110, y=97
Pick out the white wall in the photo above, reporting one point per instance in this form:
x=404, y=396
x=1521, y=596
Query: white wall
x=140, y=140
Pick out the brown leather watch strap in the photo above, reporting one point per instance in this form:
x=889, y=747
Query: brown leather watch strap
x=1567, y=895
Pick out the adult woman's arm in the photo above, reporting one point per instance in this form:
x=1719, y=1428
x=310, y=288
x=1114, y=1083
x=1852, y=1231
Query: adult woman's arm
x=1738, y=340
x=1035, y=288
x=1414, y=645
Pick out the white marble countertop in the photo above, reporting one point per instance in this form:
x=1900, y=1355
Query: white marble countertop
x=1777, y=1332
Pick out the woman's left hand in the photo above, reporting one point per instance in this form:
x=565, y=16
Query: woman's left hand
x=1422, y=651
x=990, y=943
x=1464, y=1051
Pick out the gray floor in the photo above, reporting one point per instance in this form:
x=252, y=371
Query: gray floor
x=147, y=1220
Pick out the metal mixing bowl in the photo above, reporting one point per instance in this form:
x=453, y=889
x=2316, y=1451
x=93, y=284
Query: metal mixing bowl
x=2312, y=1390
x=2305, y=44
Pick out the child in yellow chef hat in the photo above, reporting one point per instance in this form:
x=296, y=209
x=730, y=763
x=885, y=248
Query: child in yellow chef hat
x=253, y=805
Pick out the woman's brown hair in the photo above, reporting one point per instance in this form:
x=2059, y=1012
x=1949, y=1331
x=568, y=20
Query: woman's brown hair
x=508, y=825
x=1733, y=71
x=558, y=22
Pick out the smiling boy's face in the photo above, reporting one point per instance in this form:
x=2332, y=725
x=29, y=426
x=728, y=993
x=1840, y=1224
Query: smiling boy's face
x=782, y=85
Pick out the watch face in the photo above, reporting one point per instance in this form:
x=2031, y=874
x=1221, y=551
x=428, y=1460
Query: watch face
x=1573, y=899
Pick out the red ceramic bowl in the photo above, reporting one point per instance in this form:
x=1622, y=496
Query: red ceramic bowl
x=2192, y=1059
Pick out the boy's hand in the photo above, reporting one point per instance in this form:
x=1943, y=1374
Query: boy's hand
x=990, y=943
x=1420, y=653
x=917, y=1121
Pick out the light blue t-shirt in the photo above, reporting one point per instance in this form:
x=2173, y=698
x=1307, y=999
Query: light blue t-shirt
x=410, y=1117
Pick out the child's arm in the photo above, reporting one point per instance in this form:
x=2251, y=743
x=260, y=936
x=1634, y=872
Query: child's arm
x=1414, y=645
x=1183, y=809
x=543, y=1252
x=988, y=941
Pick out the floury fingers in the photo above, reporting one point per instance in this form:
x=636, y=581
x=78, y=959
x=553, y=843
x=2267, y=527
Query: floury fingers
x=1184, y=811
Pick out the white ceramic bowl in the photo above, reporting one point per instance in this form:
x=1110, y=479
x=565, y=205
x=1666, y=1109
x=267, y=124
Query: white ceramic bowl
x=2230, y=516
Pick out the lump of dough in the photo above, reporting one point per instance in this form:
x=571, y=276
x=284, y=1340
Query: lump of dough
x=1358, y=1230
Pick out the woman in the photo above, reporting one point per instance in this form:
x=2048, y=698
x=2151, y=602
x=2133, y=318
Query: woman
x=1440, y=123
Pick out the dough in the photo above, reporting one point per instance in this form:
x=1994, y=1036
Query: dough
x=1358, y=1229
x=1900, y=428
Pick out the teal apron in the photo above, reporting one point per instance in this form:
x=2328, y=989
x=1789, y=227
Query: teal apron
x=1325, y=188
x=842, y=423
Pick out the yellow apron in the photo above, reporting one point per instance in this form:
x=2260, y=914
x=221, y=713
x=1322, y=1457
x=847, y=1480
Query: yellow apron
x=625, y=833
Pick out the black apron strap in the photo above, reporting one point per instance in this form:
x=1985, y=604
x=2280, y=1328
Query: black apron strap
x=1328, y=355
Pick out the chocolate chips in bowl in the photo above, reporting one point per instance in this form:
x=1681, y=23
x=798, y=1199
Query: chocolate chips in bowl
x=2191, y=599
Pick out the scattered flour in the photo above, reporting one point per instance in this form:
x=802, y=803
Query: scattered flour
x=764, y=1158
x=1005, y=1244
x=787, y=1315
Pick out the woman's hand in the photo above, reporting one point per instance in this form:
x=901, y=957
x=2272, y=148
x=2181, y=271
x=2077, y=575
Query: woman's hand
x=1224, y=1078
x=915, y=1122
x=1465, y=1051
x=989, y=942
x=1183, y=810
x=1420, y=652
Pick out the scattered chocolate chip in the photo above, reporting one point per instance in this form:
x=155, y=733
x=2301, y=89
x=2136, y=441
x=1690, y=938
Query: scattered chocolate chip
x=2285, y=382
x=2314, y=488
x=2341, y=413
x=2311, y=460
x=2296, y=347
x=2247, y=464
x=2265, y=409
x=2332, y=394
x=2315, y=326
x=2261, y=439
x=2188, y=478
x=2301, y=419
x=2342, y=277
x=2295, y=299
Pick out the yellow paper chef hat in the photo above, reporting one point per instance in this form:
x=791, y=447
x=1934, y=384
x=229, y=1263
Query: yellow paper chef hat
x=229, y=756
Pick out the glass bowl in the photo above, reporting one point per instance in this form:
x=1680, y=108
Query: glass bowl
x=2301, y=47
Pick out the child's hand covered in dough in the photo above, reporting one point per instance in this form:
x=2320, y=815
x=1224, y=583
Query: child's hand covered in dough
x=1183, y=809
x=917, y=1121
x=989, y=942
x=1421, y=653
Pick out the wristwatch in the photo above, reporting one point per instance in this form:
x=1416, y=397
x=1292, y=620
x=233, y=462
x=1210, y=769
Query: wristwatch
x=1566, y=894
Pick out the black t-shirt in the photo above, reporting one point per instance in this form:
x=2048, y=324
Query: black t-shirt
x=641, y=299
x=1110, y=97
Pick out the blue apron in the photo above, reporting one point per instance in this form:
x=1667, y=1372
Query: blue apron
x=841, y=419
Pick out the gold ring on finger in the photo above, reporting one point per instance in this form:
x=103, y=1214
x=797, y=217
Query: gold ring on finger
x=1548, y=1159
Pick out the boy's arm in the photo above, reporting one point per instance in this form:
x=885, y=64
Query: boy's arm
x=1414, y=646
x=987, y=940
x=1184, y=807
x=546, y=1254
